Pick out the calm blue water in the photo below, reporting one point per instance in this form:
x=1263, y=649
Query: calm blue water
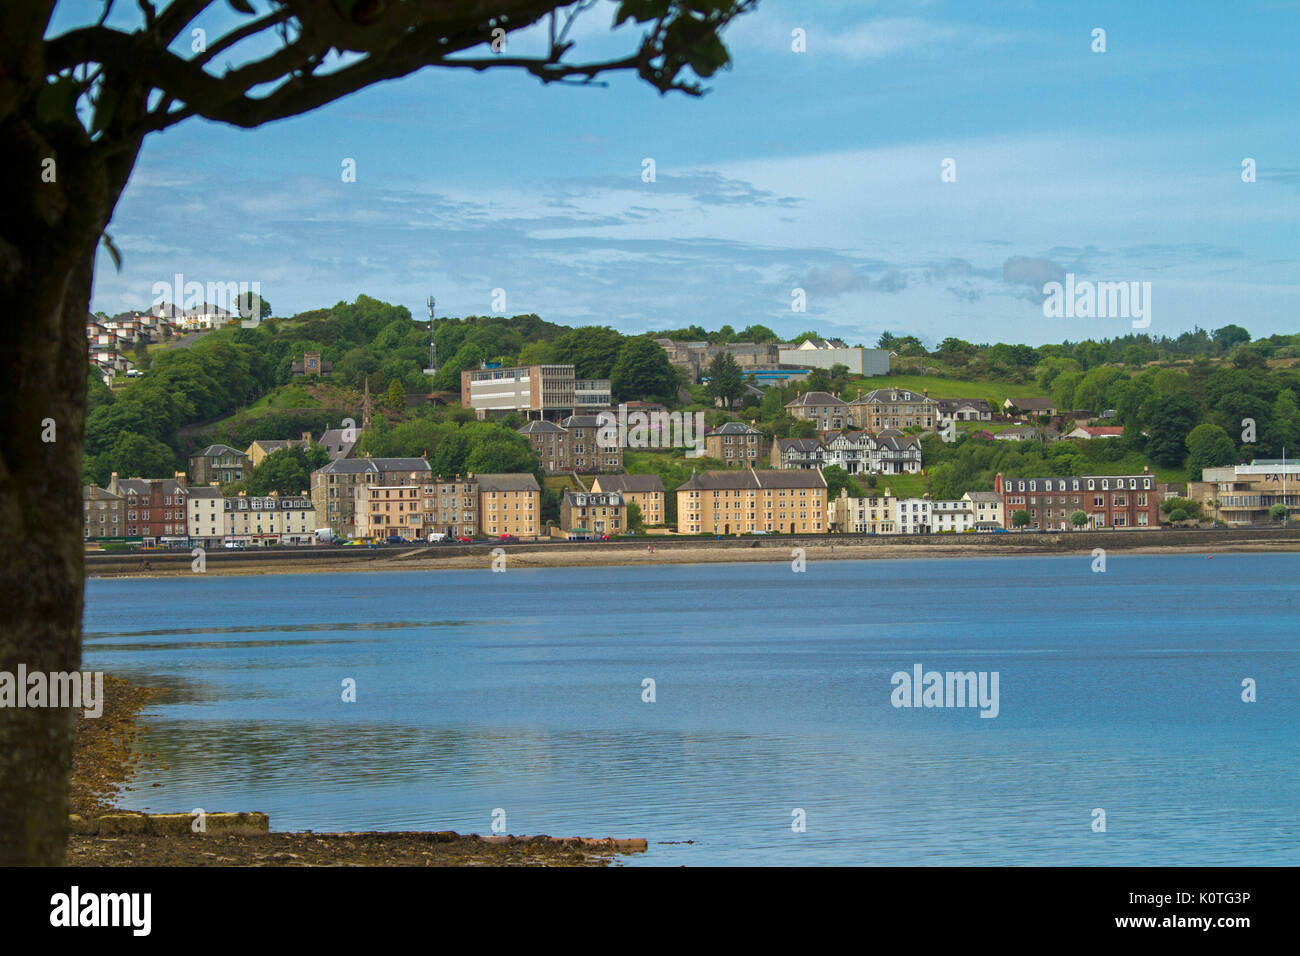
x=522, y=691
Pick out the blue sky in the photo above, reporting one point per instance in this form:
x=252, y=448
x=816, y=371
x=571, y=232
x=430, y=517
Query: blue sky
x=817, y=170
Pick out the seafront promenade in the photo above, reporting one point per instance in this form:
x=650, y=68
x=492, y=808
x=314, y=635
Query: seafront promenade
x=689, y=550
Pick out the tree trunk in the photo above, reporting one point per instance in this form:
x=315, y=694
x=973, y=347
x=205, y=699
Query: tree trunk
x=48, y=237
x=43, y=388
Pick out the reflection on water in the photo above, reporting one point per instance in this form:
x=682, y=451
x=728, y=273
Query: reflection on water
x=523, y=691
x=285, y=628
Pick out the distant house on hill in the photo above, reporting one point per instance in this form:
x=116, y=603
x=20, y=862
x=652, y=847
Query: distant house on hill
x=1032, y=406
x=965, y=410
x=312, y=364
x=1027, y=433
x=219, y=463
x=1097, y=431
x=339, y=442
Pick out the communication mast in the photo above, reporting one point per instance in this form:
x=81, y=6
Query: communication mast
x=433, y=347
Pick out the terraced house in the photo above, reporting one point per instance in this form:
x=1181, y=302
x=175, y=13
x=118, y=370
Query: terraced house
x=898, y=408
x=259, y=449
x=206, y=516
x=451, y=507
x=385, y=511
x=876, y=514
x=646, y=491
x=1109, y=501
x=584, y=433
x=592, y=513
x=154, y=507
x=551, y=442
x=103, y=513
x=986, y=509
x=857, y=452
x=736, y=444
x=510, y=504
x=731, y=502
x=261, y=521
x=826, y=411
x=219, y=463
x=797, y=453
x=336, y=487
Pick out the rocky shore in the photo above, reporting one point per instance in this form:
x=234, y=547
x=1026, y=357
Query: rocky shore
x=105, y=757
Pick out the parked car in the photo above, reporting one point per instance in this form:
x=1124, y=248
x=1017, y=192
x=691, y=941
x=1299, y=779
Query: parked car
x=760, y=532
x=604, y=537
x=507, y=538
x=465, y=540
x=394, y=539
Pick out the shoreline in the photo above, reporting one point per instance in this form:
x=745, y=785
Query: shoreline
x=106, y=755
x=696, y=551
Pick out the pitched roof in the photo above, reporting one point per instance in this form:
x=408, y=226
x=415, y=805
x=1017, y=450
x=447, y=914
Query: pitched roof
x=507, y=482
x=1101, y=431
x=540, y=428
x=736, y=428
x=332, y=441
x=201, y=491
x=278, y=444
x=750, y=478
x=886, y=395
x=798, y=444
x=989, y=497
x=628, y=483
x=815, y=398
x=141, y=486
x=583, y=421
x=950, y=404
x=356, y=466
x=213, y=450
x=583, y=499
x=1033, y=404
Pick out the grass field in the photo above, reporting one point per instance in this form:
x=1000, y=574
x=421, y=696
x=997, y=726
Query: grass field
x=940, y=387
x=562, y=483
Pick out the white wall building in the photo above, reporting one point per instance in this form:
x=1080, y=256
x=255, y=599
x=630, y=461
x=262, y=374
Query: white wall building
x=951, y=516
x=912, y=515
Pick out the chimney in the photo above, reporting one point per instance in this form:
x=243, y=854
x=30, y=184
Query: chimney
x=306, y=438
x=180, y=478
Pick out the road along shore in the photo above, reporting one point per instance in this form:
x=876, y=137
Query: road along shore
x=651, y=550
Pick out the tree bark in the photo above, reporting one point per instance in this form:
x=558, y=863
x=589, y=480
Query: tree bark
x=48, y=238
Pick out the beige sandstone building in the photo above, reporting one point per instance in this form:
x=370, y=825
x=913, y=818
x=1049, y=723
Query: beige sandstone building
x=736, y=502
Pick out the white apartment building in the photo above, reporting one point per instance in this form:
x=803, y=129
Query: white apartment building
x=951, y=517
x=206, y=516
x=913, y=515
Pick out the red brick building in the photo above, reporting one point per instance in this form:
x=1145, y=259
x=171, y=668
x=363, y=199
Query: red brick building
x=1110, y=501
x=153, y=508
